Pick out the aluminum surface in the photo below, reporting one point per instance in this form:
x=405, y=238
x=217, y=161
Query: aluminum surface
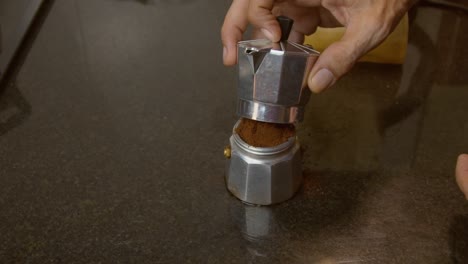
x=263, y=176
x=273, y=78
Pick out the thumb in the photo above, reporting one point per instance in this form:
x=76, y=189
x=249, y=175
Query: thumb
x=339, y=57
x=461, y=173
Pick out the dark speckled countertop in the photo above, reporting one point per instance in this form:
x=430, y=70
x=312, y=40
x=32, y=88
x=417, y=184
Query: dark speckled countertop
x=123, y=109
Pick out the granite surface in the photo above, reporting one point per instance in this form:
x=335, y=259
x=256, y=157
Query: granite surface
x=112, y=136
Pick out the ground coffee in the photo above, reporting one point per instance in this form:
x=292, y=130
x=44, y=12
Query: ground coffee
x=261, y=134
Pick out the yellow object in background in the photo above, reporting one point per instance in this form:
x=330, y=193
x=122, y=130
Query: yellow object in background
x=392, y=50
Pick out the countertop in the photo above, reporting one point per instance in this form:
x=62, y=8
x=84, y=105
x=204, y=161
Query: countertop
x=112, y=137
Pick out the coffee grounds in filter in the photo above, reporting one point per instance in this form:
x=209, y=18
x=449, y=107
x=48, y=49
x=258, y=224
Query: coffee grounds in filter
x=262, y=134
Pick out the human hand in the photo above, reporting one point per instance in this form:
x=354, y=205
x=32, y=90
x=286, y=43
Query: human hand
x=367, y=22
x=461, y=173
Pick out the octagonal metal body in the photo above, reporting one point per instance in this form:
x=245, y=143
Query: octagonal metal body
x=273, y=80
x=263, y=176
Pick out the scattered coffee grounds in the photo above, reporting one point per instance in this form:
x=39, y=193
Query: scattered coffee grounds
x=261, y=134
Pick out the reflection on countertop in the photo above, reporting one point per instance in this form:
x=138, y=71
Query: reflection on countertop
x=122, y=114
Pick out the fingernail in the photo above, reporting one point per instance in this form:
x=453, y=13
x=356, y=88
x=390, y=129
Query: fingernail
x=267, y=33
x=322, y=80
x=224, y=53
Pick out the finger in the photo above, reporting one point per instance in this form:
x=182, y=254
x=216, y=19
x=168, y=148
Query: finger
x=305, y=19
x=235, y=23
x=327, y=19
x=263, y=13
x=461, y=173
x=360, y=37
x=261, y=16
x=257, y=34
x=314, y=11
x=296, y=36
